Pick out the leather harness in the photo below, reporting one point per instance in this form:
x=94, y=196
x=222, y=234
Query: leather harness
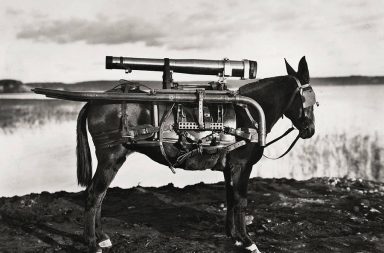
x=141, y=135
x=299, y=89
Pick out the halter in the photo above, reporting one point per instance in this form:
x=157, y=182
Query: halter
x=307, y=95
x=308, y=99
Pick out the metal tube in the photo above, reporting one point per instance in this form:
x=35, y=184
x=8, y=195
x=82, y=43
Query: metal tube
x=155, y=116
x=169, y=96
x=193, y=91
x=245, y=69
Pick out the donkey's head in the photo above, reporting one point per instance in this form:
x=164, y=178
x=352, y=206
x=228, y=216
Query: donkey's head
x=300, y=110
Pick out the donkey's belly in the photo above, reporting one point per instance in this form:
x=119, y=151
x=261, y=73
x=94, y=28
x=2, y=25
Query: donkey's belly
x=206, y=161
x=199, y=161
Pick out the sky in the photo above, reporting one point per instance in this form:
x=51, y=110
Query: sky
x=67, y=41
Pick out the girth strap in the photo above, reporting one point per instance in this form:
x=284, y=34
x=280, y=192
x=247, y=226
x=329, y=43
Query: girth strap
x=211, y=150
x=246, y=137
x=161, y=130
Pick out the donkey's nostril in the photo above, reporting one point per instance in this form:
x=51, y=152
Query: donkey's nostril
x=307, y=132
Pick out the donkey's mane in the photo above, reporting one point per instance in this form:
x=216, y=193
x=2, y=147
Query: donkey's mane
x=261, y=85
x=272, y=94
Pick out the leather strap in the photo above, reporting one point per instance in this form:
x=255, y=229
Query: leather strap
x=130, y=136
x=161, y=130
x=280, y=137
x=199, y=150
x=293, y=96
x=238, y=133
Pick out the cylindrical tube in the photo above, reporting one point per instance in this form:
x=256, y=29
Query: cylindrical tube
x=244, y=69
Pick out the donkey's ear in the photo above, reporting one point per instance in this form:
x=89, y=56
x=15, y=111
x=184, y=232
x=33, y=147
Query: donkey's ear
x=303, y=71
x=290, y=70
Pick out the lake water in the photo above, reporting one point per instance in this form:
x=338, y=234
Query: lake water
x=348, y=142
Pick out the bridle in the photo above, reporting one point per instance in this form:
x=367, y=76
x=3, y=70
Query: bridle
x=308, y=99
x=307, y=96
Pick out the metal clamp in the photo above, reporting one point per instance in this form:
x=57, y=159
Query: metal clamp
x=200, y=95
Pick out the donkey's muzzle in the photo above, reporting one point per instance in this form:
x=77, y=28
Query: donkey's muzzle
x=307, y=130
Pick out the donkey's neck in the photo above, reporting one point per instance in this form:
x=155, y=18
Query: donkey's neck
x=273, y=95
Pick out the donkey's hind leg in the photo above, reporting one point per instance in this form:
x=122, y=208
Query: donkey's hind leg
x=229, y=221
x=101, y=237
x=109, y=162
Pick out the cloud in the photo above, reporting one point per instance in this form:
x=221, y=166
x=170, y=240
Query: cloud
x=192, y=30
x=207, y=25
x=92, y=32
x=13, y=12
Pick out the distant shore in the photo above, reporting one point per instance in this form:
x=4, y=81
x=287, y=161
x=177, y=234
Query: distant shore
x=16, y=86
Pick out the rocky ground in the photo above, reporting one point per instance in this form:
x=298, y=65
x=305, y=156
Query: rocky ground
x=317, y=215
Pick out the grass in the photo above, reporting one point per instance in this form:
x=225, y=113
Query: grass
x=342, y=154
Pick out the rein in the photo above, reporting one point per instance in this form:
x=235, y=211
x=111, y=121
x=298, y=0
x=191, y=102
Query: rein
x=280, y=137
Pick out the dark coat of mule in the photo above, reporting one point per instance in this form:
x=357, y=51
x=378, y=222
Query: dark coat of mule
x=273, y=94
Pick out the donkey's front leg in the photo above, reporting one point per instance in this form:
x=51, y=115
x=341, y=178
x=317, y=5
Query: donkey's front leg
x=230, y=229
x=240, y=177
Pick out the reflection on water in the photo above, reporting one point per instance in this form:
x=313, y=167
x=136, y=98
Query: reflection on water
x=348, y=142
x=43, y=159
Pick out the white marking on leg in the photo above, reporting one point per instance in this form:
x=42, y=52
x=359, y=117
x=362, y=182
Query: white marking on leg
x=253, y=248
x=248, y=219
x=238, y=243
x=99, y=251
x=105, y=244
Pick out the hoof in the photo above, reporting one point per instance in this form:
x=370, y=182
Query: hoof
x=238, y=244
x=253, y=248
x=105, y=244
x=99, y=250
x=249, y=219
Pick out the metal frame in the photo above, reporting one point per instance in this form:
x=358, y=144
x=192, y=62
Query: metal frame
x=167, y=95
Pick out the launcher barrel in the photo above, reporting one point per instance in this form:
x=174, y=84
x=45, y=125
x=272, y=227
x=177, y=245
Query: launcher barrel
x=245, y=69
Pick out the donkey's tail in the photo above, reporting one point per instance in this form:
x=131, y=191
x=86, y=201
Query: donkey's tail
x=84, y=159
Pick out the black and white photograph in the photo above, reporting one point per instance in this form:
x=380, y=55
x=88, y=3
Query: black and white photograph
x=192, y=126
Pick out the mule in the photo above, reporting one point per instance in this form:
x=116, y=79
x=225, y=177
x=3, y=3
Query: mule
x=277, y=96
